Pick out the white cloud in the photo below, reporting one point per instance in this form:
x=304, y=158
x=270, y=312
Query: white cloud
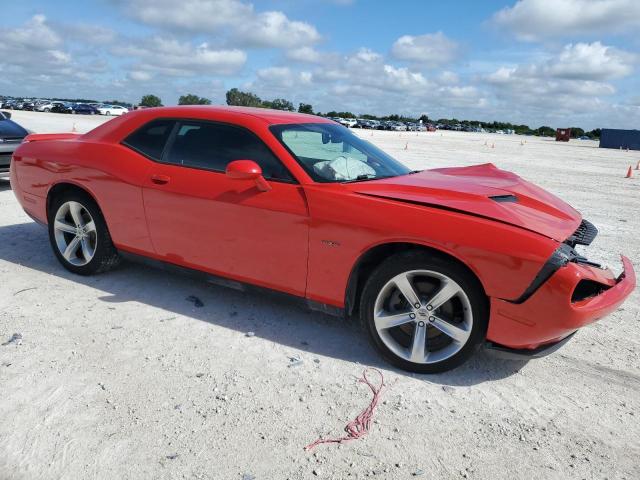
x=205, y=16
x=592, y=61
x=34, y=49
x=307, y=55
x=274, y=29
x=571, y=83
x=176, y=58
x=270, y=29
x=139, y=76
x=35, y=34
x=428, y=49
x=532, y=20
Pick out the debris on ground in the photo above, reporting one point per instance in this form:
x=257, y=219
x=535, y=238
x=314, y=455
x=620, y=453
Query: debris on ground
x=173, y=456
x=250, y=334
x=295, y=361
x=360, y=426
x=25, y=290
x=195, y=300
x=15, y=338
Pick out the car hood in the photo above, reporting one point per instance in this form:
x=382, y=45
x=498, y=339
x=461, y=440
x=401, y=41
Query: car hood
x=483, y=191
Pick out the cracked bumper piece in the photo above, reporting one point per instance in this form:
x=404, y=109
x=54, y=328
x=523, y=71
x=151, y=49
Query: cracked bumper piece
x=574, y=296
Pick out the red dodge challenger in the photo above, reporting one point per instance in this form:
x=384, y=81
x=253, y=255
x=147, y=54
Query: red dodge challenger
x=434, y=262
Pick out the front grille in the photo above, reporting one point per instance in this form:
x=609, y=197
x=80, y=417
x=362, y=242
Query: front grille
x=584, y=235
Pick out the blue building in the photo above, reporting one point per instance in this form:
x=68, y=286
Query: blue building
x=614, y=138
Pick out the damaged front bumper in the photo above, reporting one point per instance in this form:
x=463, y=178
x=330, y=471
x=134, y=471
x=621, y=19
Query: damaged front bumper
x=576, y=294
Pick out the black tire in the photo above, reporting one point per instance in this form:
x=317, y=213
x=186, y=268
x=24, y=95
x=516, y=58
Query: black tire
x=420, y=260
x=106, y=256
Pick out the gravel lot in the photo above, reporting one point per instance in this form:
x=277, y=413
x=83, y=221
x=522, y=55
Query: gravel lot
x=119, y=376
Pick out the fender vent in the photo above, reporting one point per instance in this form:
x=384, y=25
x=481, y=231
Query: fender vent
x=504, y=198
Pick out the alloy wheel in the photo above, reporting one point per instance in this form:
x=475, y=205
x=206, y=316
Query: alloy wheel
x=75, y=233
x=423, y=316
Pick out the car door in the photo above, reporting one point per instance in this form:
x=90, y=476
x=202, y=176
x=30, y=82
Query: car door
x=199, y=217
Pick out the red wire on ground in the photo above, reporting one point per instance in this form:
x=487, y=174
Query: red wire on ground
x=360, y=426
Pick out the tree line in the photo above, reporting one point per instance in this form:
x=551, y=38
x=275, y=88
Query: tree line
x=239, y=98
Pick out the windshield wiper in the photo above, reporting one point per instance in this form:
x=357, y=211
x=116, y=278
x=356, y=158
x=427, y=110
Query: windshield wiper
x=365, y=177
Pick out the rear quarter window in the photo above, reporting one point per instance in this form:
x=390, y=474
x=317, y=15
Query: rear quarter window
x=151, y=138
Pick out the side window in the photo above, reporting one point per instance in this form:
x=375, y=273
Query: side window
x=151, y=138
x=213, y=146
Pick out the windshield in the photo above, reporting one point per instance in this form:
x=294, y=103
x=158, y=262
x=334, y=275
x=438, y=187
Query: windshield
x=331, y=153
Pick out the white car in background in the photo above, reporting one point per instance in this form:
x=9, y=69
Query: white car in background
x=112, y=110
x=347, y=122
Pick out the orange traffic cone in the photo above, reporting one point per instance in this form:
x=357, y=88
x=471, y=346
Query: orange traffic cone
x=629, y=172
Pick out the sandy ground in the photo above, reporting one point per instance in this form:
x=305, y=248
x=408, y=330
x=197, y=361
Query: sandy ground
x=119, y=376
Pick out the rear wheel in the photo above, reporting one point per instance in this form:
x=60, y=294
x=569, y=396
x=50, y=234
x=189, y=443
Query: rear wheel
x=79, y=235
x=424, y=313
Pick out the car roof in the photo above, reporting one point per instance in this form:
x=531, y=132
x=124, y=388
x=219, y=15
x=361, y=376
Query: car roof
x=271, y=117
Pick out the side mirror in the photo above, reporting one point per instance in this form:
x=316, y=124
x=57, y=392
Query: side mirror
x=247, y=170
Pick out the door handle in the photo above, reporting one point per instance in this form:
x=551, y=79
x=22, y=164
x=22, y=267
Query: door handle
x=160, y=179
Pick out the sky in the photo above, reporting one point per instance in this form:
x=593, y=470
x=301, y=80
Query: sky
x=537, y=62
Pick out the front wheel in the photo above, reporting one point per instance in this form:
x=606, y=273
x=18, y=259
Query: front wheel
x=424, y=313
x=79, y=235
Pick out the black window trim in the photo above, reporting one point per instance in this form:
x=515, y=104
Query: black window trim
x=174, y=132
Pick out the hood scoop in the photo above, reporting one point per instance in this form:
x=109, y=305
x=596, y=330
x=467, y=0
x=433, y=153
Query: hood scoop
x=504, y=198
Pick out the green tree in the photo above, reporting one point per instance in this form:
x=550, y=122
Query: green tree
x=576, y=132
x=595, y=133
x=305, y=108
x=191, y=99
x=243, y=99
x=279, y=104
x=545, y=131
x=150, y=101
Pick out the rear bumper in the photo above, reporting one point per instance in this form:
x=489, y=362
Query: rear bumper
x=549, y=315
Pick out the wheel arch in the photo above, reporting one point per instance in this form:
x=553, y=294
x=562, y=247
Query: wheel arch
x=371, y=258
x=61, y=188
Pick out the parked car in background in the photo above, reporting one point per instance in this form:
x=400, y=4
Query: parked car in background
x=112, y=110
x=61, y=107
x=44, y=107
x=397, y=127
x=84, y=109
x=301, y=205
x=348, y=122
x=11, y=135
